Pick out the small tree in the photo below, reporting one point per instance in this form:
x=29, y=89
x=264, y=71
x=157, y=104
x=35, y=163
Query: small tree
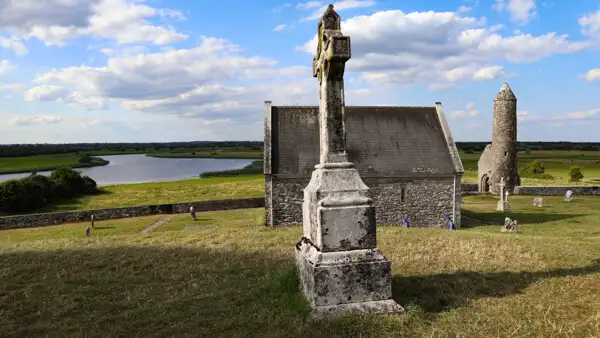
x=86, y=159
x=575, y=174
x=68, y=182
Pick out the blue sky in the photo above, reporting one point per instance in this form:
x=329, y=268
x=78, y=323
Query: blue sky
x=157, y=70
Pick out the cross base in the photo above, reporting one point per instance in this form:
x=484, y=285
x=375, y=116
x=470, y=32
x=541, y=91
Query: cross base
x=340, y=283
x=502, y=206
x=341, y=270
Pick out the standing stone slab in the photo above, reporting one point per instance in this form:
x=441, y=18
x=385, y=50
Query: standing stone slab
x=340, y=267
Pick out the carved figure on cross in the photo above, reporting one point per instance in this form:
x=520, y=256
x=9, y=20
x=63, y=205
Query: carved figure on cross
x=329, y=64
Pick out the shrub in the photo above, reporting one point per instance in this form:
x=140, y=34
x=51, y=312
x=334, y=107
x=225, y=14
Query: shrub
x=12, y=196
x=86, y=159
x=35, y=191
x=89, y=186
x=575, y=174
x=39, y=191
x=68, y=182
x=535, y=170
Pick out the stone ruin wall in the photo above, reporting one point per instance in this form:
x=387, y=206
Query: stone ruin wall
x=425, y=202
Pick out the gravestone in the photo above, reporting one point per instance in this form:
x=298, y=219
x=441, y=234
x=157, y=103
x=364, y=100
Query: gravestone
x=193, y=213
x=341, y=269
x=568, y=196
x=503, y=202
x=510, y=225
x=92, y=219
x=538, y=202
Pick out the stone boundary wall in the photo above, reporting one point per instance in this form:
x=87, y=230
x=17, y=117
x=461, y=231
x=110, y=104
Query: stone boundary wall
x=556, y=190
x=468, y=187
x=55, y=218
x=471, y=189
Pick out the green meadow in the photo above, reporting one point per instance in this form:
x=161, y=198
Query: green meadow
x=226, y=275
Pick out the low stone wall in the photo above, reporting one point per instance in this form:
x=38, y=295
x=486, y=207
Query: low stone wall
x=54, y=218
x=556, y=190
x=468, y=187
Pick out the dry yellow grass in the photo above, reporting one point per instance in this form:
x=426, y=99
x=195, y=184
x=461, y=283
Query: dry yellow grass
x=238, y=280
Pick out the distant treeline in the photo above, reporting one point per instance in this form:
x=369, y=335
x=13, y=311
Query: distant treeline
x=15, y=150
x=524, y=146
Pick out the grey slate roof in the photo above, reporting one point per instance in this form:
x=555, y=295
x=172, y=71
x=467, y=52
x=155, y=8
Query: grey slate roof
x=381, y=141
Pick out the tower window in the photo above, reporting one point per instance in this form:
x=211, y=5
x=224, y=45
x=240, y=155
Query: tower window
x=403, y=194
x=505, y=153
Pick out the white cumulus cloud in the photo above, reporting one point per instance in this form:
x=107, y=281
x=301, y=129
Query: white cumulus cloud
x=592, y=75
x=6, y=67
x=212, y=80
x=280, y=27
x=319, y=7
x=520, y=11
x=56, y=21
x=27, y=120
x=439, y=48
x=590, y=24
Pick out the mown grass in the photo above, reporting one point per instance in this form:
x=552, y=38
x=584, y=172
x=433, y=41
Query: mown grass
x=70, y=231
x=254, y=168
x=15, y=165
x=194, y=190
x=239, y=279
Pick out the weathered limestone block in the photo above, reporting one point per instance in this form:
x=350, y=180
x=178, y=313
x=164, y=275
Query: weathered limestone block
x=338, y=283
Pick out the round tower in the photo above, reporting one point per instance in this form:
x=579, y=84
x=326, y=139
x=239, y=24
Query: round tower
x=504, y=141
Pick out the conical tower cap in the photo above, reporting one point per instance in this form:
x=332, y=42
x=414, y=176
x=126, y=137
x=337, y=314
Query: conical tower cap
x=505, y=93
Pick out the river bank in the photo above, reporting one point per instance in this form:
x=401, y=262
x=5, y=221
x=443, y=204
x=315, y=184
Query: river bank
x=33, y=164
x=49, y=162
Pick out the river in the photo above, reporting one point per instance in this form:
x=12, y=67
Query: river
x=124, y=169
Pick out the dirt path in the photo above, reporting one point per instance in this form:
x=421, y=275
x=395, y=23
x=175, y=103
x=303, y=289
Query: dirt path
x=158, y=223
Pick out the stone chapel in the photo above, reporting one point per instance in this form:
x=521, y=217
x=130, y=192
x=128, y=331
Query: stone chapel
x=405, y=155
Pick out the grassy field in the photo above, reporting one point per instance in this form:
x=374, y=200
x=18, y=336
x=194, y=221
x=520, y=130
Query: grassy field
x=14, y=165
x=233, y=278
x=254, y=168
x=194, y=190
x=557, y=164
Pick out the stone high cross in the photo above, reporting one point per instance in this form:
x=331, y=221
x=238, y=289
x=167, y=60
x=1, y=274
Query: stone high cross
x=328, y=66
x=341, y=270
x=502, y=185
